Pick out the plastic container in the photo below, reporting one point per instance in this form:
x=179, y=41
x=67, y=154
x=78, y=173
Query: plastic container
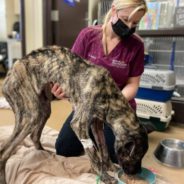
x=156, y=85
x=149, y=108
x=156, y=113
x=146, y=174
x=158, y=79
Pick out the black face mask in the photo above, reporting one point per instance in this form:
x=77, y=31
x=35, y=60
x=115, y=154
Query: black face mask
x=122, y=30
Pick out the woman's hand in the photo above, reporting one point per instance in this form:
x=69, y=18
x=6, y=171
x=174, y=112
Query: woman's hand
x=130, y=90
x=57, y=91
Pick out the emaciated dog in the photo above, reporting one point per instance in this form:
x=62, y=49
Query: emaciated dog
x=96, y=100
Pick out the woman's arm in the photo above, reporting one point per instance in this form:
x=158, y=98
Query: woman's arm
x=130, y=90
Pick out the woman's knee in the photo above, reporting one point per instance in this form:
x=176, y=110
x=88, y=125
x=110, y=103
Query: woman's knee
x=67, y=143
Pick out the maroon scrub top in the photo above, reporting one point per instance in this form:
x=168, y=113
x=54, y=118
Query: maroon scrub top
x=124, y=61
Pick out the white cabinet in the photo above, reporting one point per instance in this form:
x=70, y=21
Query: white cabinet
x=14, y=51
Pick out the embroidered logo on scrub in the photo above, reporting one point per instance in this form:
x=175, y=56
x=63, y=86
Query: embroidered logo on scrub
x=119, y=64
x=91, y=56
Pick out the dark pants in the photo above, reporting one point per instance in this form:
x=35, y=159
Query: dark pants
x=67, y=143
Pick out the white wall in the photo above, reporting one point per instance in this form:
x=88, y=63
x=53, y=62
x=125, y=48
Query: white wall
x=33, y=24
x=7, y=18
x=11, y=17
x=3, y=31
x=92, y=11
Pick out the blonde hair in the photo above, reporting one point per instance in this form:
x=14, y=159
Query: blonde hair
x=121, y=4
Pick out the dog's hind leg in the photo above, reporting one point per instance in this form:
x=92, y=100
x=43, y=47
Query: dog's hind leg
x=5, y=150
x=23, y=103
x=37, y=131
x=44, y=113
x=8, y=148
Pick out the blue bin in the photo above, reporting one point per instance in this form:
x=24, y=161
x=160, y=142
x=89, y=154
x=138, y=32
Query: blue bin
x=154, y=94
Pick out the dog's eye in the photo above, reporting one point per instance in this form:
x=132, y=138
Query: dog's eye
x=127, y=149
x=130, y=147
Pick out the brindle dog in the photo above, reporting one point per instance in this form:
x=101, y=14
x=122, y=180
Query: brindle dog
x=96, y=100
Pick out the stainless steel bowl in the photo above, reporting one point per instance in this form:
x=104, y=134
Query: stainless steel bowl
x=170, y=152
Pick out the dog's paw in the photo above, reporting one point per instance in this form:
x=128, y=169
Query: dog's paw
x=107, y=179
x=115, y=168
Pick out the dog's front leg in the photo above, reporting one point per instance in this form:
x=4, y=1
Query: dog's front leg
x=105, y=164
x=97, y=166
x=79, y=125
x=99, y=160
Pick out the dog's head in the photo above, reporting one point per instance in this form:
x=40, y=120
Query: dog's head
x=131, y=151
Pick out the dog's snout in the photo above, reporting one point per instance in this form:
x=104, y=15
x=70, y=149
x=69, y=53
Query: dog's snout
x=132, y=168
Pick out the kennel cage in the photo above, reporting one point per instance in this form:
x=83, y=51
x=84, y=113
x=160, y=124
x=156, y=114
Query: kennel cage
x=158, y=114
x=156, y=84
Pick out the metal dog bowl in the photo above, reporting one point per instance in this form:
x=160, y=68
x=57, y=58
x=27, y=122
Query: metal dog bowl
x=170, y=152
